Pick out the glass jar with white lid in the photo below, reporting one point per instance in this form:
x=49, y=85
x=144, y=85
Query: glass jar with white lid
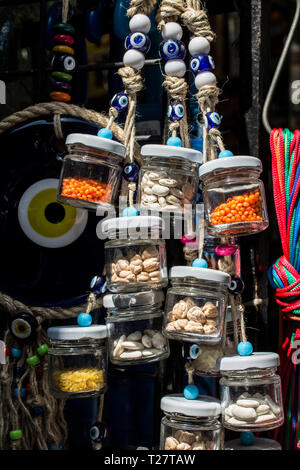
x=135, y=255
x=91, y=172
x=134, y=324
x=234, y=196
x=190, y=424
x=195, y=304
x=77, y=360
x=251, y=392
x=168, y=179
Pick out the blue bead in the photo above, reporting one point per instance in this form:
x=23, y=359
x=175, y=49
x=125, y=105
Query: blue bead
x=22, y=392
x=129, y=212
x=84, y=319
x=97, y=285
x=247, y=438
x=131, y=172
x=202, y=63
x=98, y=432
x=174, y=141
x=225, y=154
x=37, y=411
x=139, y=41
x=175, y=111
x=19, y=371
x=191, y=392
x=194, y=351
x=199, y=263
x=52, y=447
x=244, y=348
x=17, y=353
x=236, y=285
x=119, y=101
x=171, y=49
x=105, y=133
x=212, y=120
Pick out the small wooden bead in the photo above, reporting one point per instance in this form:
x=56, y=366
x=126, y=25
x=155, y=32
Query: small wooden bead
x=64, y=39
x=60, y=96
x=61, y=86
x=63, y=50
x=64, y=28
x=66, y=77
x=175, y=68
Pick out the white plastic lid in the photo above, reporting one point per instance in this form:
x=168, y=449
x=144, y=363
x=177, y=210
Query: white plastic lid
x=257, y=360
x=230, y=162
x=97, y=142
x=204, y=274
x=154, y=150
x=125, y=223
x=147, y=298
x=259, y=443
x=77, y=332
x=203, y=406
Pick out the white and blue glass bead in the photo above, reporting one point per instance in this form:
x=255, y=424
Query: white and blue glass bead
x=202, y=63
x=172, y=49
x=175, y=111
x=131, y=172
x=212, y=120
x=120, y=102
x=139, y=41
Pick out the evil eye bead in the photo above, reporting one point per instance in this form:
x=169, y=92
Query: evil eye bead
x=236, y=286
x=138, y=41
x=119, y=102
x=63, y=63
x=23, y=326
x=175, y=111
x=172, y=49
x=97, y=285
x=131, y=172
x=98, y=432
x=212, y=120
x=194, y=351
x=202, y=63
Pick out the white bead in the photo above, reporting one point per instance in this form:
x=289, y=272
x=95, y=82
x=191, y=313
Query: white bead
x=198, y=46
x=175, y=68
x=140, y=23
x=134, y=59
x=205, y=78
x=172, y=30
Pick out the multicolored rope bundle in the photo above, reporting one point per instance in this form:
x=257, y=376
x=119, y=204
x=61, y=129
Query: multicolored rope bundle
x=284, y=275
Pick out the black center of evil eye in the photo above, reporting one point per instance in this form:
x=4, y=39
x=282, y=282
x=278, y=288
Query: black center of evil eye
x=55, y=212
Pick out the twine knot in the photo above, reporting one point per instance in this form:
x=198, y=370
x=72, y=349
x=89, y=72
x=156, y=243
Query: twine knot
x=170, y=10
x=197, y=22
x=208, y=97
x=176, y=87
x=132, y=80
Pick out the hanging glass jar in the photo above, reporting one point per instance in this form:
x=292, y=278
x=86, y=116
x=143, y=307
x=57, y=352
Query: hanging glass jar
x=91, y=172
x=77, y=361
x=259, y=443
x=134, y=323
x=195, y=304
x=168, y=179
x=251, y=392
x=234, y=196
x=136, y=258
x=190, y=424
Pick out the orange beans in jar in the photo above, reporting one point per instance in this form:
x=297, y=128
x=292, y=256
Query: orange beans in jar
x=86, y=189
x=244, y=208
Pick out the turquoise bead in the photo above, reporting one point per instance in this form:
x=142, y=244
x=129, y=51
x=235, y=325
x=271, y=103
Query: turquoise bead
x=52, y=447
x=225, y=154
x=105, y=133
x=191, y=392
x=244, y=348
x=22, y=392
x=247, y=438
x=84, y=319
x=174, y=141
x=199, y=263
x=129, y=212
x=17, y=353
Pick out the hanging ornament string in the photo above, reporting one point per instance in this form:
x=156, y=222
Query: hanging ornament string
x=195, y=19
x=285, y=148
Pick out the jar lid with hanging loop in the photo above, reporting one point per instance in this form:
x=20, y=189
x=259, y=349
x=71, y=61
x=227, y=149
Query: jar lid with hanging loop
x=230, y=162
x=201, y=407
x=96, y=142
x=75, y=332
x=133, y=300
x=203, y=274
x=257, y=360
x=170, y=151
